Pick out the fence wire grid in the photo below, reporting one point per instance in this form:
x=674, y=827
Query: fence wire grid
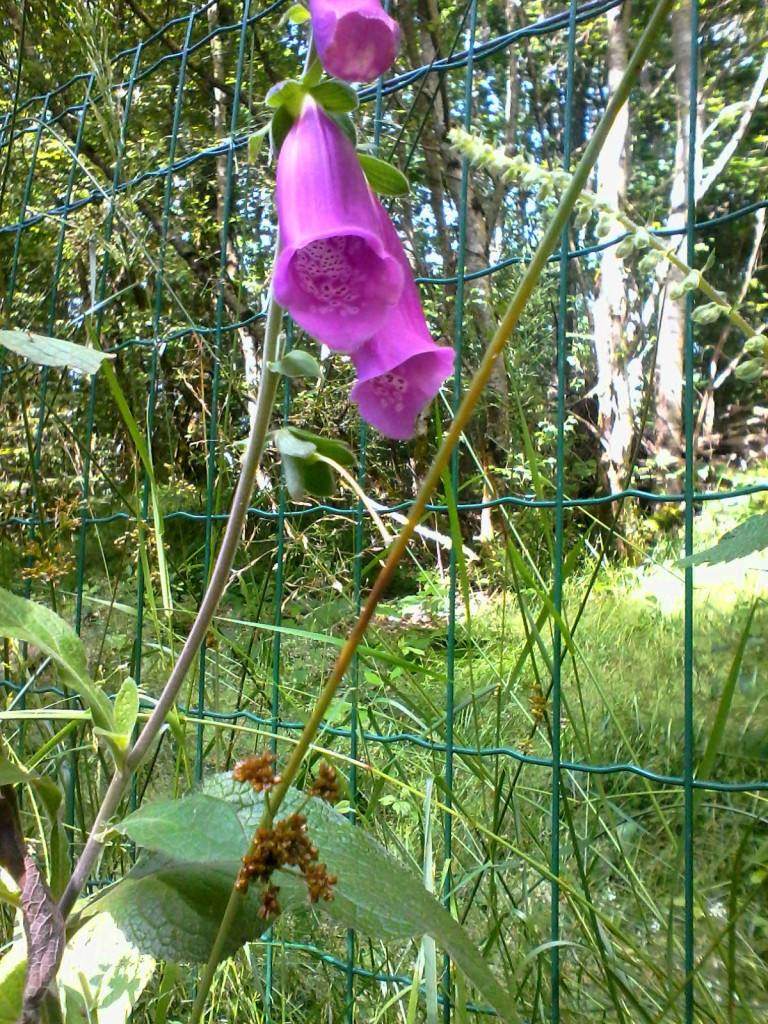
x=100, y=195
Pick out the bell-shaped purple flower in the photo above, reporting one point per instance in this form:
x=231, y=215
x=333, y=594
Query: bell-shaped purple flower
x=400, y=368
x=334, y=274
x=356, y=40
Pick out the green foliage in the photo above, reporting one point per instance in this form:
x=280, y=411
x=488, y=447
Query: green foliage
x=52, y=351
x=308, y=462
x=35, y=624
x=383, y=177
x=742, y=540
x=170, y=905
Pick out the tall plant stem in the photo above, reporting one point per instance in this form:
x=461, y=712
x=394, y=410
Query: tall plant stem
x=506, y=328
x=217, y=585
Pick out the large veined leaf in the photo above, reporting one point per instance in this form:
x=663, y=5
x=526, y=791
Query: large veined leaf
x=171, y=903
x=39, y=348
x=33, y=623
x=13, y=969
x=742, y=540
x=102, y=975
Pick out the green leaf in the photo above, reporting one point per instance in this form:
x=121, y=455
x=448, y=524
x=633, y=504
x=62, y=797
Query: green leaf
x=304, y=472
x=126, y=707
x=288, y=94
x=13, y=968
x=297, y=363
x=102, y=974
x=297, y=14
x=171, y=910
x=383, y=178
x=199, y=828
x=11, y=773
x=374, y=893
x=314, y=73
x=279, y=126
x=749, y=536
x=289, y=444
x=335, y=97
x=255, y=143
x=308, y=476
x=45, y=351
x=336, y=450
x=33, y=623
x=347, y=125
x=171, y=903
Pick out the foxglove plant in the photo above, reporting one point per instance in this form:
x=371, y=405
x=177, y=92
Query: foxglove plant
x=345, y=277
x=334, y=273
x=355, y=39
x=400, y=368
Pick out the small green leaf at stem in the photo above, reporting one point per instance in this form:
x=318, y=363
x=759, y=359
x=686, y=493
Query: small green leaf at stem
x=255, y=143
x=126, y=707
x=297, y=363
x=336, y=450
x=289, y=94
x=383, y=178
x=335, y=97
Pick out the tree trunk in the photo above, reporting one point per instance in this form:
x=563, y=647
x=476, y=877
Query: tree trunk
x=220, y=117
x=615, y=421
x=669, y=359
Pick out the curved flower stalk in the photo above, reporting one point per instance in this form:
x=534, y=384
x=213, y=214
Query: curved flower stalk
x=355, y=39
x=334, y=274
x=400, y=368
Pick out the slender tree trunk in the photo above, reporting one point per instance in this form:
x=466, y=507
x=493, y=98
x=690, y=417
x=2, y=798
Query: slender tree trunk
x=615, y=421
x=669, y=360
x=444, y=178
x=221, y=128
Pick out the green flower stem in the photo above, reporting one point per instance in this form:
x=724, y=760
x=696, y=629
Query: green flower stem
x=214, y=592
x=505, y=330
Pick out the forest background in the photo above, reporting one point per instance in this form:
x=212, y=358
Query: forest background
x=135, y=214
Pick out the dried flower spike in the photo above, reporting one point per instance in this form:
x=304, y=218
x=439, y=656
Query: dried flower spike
x=326, y=785
x=257, y=769
x=270, y=905
x=319, y=883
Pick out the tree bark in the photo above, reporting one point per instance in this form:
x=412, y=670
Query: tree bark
x=615, y=420
x=668, y=429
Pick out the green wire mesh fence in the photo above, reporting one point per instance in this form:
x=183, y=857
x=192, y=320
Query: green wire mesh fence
x=135, y=218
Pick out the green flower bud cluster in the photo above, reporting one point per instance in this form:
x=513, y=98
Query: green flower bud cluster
x=635, y=238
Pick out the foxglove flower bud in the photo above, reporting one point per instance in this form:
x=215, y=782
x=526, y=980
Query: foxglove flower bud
x=356, y=40
x=400, y=368
x=334, y=274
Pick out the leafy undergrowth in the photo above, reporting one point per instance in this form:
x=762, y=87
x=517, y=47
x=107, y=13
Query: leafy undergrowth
x=621, y=805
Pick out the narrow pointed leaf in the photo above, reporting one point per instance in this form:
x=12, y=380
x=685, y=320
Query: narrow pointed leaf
x=335, y=97
x=383, y=178
x=297, y=363
x=33, y=623
x=45, y=351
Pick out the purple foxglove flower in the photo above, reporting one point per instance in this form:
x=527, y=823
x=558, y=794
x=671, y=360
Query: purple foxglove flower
x=334, y=275
x=400, y=368
x=356, y=40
